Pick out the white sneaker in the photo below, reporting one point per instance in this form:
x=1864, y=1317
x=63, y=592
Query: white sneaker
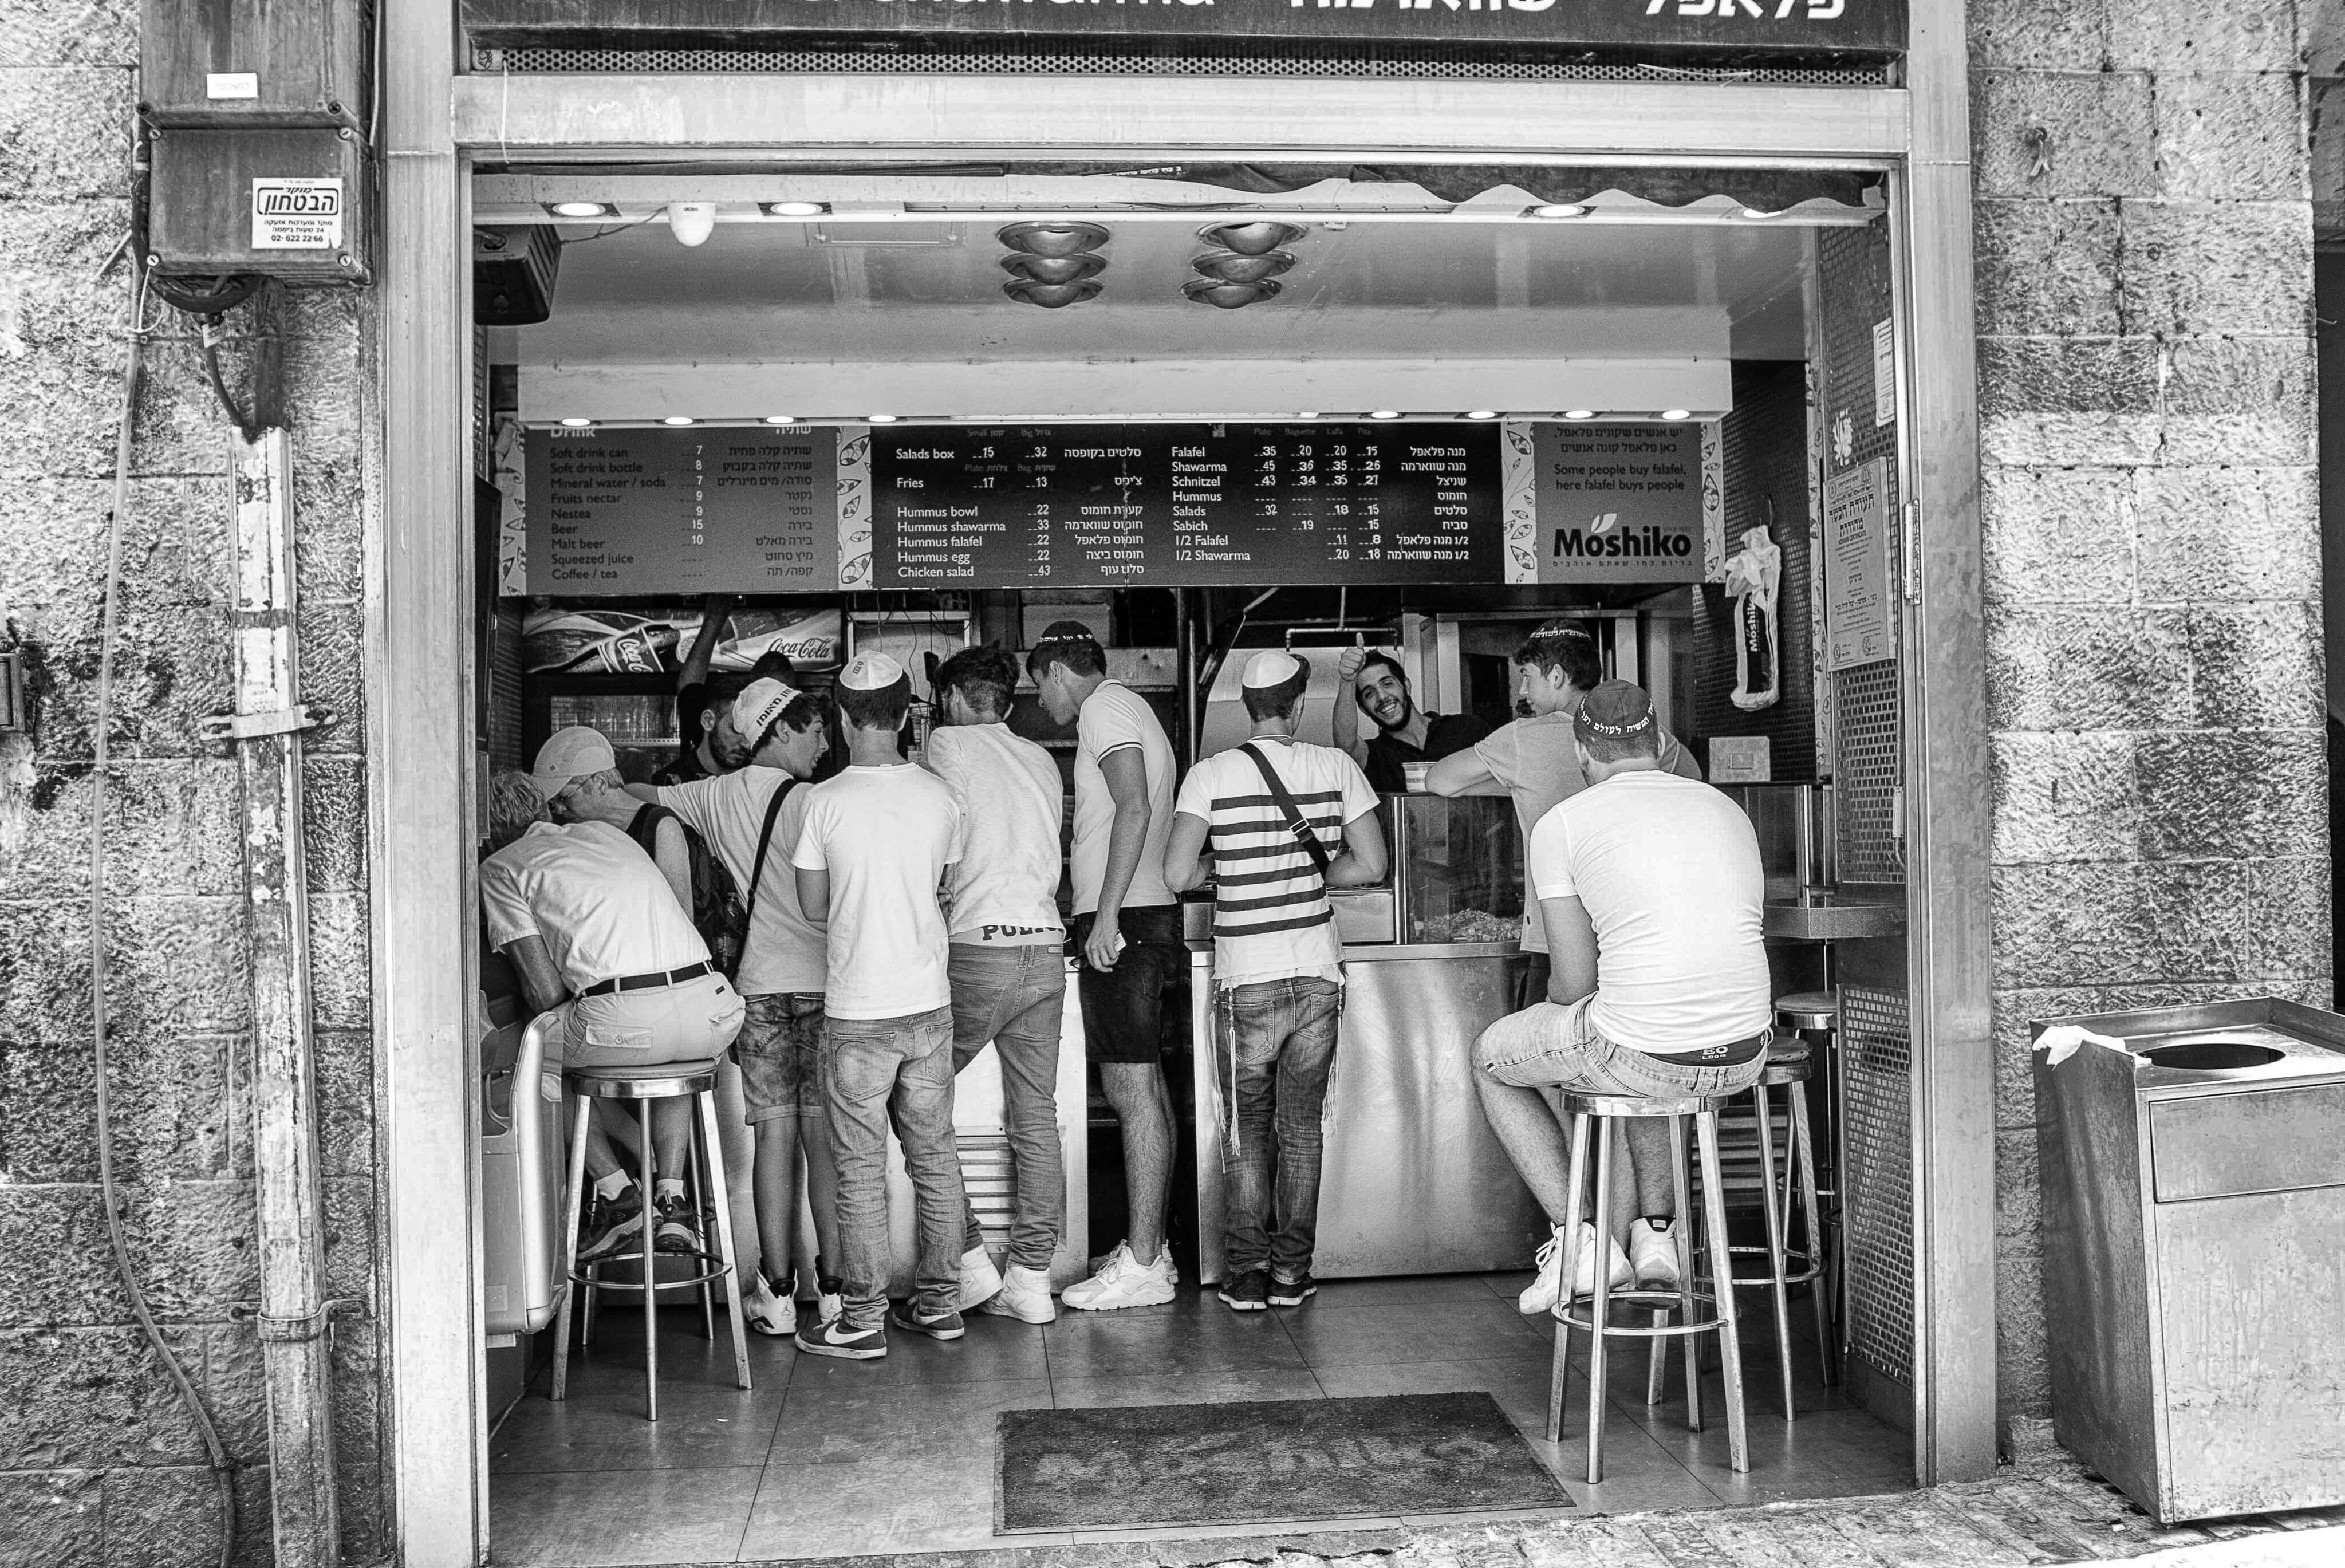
x=1124, y=1281
x=1547, y=1288
x=1025, y=1294
x=1654, y=1248
x=769, y=1313
x=980, y=1280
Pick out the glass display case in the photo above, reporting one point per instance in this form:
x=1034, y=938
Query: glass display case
x=1457, y=868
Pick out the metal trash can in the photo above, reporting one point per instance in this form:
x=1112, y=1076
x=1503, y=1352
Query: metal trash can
x=2194, y=1255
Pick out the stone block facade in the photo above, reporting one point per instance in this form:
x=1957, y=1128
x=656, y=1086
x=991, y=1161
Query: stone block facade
x=2152, y=539
x=99, y=1464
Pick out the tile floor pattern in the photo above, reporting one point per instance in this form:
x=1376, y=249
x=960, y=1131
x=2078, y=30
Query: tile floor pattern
x=827, y=1458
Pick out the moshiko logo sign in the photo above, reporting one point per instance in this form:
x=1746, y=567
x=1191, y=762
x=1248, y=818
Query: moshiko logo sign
x=297, y=214
x=1619, y=502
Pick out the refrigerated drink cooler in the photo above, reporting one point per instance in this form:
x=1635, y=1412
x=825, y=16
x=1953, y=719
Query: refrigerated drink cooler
x=2194, y=1255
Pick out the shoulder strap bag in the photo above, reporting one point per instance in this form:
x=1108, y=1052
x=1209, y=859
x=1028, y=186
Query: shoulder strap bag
x=1303, y=832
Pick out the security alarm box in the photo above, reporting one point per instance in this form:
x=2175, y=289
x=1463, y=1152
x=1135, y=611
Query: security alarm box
x=269, y=62
x=285, y=204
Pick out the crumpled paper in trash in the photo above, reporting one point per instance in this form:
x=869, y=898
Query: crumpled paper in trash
x=2063, y=1041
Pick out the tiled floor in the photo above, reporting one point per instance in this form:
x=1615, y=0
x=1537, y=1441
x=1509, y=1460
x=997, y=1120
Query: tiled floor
x=832, y=1458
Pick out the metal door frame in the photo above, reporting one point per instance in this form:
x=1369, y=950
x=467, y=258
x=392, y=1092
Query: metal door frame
x=418, y=643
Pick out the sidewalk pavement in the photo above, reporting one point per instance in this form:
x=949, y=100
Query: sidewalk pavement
x=2049, y=1510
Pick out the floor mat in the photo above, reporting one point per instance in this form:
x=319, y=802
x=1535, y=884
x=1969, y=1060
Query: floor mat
x=1129, y=1467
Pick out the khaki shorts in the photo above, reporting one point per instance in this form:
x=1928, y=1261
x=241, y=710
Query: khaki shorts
x=780, y=1051
x=691, y=1021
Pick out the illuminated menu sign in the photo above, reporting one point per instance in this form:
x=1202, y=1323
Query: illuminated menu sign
x=699, y=510
x=1012, y=506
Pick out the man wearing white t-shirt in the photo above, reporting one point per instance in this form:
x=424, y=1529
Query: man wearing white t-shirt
x=879, y=841
x=1284, y=823
x=751, y=818
x=1128, y=936
x=1650, y=885
x=1008, y=968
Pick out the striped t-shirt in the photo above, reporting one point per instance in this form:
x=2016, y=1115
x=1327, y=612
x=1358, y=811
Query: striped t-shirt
x=1271, y=917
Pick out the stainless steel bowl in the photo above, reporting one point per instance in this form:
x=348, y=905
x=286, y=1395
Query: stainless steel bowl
x=1050, y=296
x=1055, y=269
x=1228, y=296
x=1231, y=267
x=1046, y=238
x=1253, y=239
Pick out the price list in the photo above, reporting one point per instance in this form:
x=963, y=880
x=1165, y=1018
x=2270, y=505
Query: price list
x=683, y=510
x=1193, y=505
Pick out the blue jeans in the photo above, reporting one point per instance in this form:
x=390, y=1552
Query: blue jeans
x=1015, y=997
x=875, y=1070
x=1274, y=1046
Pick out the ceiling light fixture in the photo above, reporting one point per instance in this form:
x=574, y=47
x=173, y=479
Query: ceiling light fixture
x=692, y=222
x=1308, y=414
x=1676, y=413
x=781, y=419
x=1383, y=413
x=794, y=208
x=1063, y=236
x=1557, y=209
x=1255, y=239
x=577, y=425
x=582, y=208
x=1579, y=413
x=679, y=419
x=1757, y=214
x=1231, y=267
x=1228, y=296
x=1050, y=296
x=1481, y=413
x=1055, y=269
x=880, y=418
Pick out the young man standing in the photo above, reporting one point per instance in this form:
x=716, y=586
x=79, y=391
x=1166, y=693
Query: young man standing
x=1651, y=888
x=1007, y=966
x=879, y=841
x=1373, y=683
x=1128, y=935
x=1284, y=821
x=1533, y=759
x=751, y=818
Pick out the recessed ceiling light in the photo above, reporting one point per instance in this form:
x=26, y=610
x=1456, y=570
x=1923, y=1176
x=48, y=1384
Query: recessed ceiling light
x=581, y=209
x=781, y=419
x=795, y=208
x=679, y=419
x=1308, y=414
x=1676, y=413
x=577, y=425
x=880, y=418
x=1481, y=413
x=1757, y=213
x=1383, y=413
x=1579, y=413
x=1557, y=210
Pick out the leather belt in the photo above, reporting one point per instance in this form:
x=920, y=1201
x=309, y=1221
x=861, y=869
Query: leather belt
x=651, y=982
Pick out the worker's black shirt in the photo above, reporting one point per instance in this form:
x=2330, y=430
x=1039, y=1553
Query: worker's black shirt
x=1389, y=755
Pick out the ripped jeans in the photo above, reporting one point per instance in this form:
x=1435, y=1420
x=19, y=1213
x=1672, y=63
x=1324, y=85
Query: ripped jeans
x=1274, y=1048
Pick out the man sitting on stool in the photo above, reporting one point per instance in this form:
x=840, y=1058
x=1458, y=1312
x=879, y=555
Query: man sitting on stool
x=1650, y=887
x=592, y=927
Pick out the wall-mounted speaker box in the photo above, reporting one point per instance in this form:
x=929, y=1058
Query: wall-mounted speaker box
x=513, y=274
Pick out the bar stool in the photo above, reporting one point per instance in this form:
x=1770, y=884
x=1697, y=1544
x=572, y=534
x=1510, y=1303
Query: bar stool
x=1593, y=1115
x=1788, y=1068
x=660, y=1081
x=1815, y=1016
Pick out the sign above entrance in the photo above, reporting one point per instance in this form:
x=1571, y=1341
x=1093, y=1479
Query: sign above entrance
x=1802, y=26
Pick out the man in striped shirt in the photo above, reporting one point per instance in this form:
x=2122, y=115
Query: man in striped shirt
x=1283, y=822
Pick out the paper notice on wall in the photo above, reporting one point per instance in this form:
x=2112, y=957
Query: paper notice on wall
x=297, y=214
x=1857, y=625
x=1885, y=373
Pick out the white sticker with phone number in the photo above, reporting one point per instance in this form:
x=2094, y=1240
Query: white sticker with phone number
x=297, y=214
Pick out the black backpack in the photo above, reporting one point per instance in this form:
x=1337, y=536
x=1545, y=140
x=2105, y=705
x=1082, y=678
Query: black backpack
x=719, y=912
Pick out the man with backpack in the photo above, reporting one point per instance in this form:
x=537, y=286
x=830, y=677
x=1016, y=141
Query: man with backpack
x=1284, y=821
x=751, y=819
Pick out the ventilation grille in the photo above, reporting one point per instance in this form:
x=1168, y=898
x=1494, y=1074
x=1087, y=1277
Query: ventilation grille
x=1057, y=57
x=987, y=1177
x=1877, y=1219
x=1866, y=742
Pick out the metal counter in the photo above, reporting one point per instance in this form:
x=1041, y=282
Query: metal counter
x=1414, y=1181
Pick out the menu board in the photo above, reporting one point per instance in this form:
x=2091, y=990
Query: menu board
x=1015, y=506
x=702, y=509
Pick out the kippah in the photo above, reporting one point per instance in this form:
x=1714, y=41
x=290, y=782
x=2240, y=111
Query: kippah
x=871, y=672
x=1270, y=667
x=1614, y=708
x=759, y=704
x=1564, y=629
x=1067, y=631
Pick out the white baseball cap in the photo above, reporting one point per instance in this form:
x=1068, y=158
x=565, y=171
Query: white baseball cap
x=569, y=755
x=758, y=706
x=871, y=672
x=1271, y=667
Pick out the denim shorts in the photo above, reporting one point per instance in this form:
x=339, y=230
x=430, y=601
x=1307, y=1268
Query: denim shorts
x=1550, y=1047
x=780, y=1050
x=1124, y=1007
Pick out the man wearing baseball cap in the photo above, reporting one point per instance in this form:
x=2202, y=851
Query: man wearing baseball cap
x=1284, y=823
x=750, y=818
x=878, y=840
x=1650, y=886
x=1127, y=935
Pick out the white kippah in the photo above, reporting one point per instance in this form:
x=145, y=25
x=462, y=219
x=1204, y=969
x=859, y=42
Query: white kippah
x=1270, y=667
x=871, y=672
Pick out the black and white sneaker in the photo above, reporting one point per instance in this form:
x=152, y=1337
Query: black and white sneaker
x=1249, y=1292
x=678, y=1230
x=832, y=1337
x=944, y=1325
x=1293, y=1292
x=612, y=1223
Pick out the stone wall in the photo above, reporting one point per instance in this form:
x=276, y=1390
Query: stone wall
x=2152, y=540
x=98, y=1463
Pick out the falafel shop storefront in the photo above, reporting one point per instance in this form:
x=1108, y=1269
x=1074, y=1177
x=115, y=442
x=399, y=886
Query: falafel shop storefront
x=1215, y=328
